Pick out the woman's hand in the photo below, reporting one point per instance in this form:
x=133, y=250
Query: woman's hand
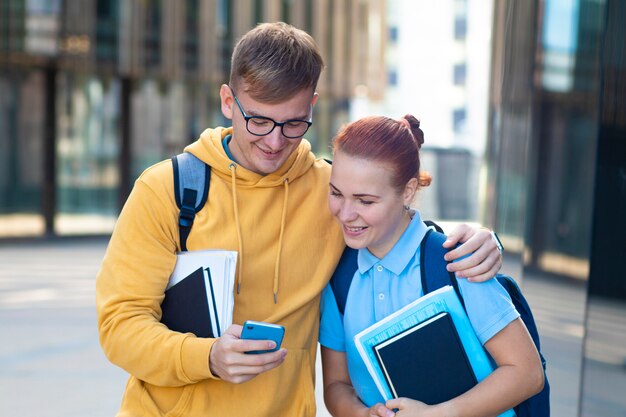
x=412, y=408
x=379, y=410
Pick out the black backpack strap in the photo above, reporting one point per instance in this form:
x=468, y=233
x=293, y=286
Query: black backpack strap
x=342, y=277
x=523, y=308
x=433, y=265
x=521, y=305
x=192, y=178
x=539, y=404
x=431, y=223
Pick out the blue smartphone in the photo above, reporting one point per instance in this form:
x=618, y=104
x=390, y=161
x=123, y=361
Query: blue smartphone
x=257, y=330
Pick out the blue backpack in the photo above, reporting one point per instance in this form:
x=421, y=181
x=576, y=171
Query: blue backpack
x=434, y=276
x=192, y=178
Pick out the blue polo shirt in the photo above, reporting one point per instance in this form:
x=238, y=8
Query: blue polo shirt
x=383, y=286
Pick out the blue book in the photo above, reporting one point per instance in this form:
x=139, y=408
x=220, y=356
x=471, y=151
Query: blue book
x=427, y=350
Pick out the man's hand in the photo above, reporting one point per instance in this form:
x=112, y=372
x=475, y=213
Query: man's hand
x=483, y=263
x=229, y=361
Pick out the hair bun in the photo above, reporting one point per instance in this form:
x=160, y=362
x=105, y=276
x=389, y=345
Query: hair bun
x=414, y=123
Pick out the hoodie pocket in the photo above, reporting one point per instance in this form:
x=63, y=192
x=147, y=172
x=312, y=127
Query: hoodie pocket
x=297, y=383
x=287, y=390
x=166, y=401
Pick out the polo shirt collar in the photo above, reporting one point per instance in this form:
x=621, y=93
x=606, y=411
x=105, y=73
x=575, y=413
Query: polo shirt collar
x=397, y=259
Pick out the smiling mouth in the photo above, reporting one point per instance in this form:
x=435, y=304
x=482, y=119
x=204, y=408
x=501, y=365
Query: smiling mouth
x=269, y=153
x=354, y=229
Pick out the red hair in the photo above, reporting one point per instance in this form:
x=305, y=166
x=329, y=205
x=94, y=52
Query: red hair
x=395, y=143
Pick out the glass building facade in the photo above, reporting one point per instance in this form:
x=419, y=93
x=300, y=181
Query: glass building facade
x=95, y=91
x=556, y=161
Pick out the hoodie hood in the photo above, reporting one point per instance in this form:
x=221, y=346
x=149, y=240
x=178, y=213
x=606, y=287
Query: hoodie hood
x=209, y=149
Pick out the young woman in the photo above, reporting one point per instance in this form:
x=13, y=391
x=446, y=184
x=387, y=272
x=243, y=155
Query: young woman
x=375, y=176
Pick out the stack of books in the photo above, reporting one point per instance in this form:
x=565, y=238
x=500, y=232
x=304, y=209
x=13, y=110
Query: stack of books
x=427, y=351
x=199, y=296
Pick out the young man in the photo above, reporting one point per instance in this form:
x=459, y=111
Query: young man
x=267, y=201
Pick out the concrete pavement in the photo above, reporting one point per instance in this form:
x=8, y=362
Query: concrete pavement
x=50, y=361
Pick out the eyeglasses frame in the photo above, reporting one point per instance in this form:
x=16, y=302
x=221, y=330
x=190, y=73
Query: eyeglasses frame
x=280, y=124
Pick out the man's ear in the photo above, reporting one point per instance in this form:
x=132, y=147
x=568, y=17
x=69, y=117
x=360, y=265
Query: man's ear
x=227, y=101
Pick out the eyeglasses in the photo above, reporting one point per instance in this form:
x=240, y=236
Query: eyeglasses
x=261, y=125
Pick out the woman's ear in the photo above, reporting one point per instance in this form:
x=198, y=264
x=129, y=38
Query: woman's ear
x=409, y=191
x=314, y=100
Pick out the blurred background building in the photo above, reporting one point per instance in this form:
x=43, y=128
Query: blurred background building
x=437, y=59
x=556, y=181
x=93, y=92
x=523, y=104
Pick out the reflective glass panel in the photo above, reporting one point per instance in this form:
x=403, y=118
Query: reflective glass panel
x=87, y=153
x=21, y=152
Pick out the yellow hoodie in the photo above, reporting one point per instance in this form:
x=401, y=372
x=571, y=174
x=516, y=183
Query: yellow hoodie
x=288, y=247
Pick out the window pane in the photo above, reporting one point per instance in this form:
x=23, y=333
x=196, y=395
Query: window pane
x=21, y=153
x=460, y=71
x=87, y=154
x=166, y=117
x=460, y=28
x=458, y=119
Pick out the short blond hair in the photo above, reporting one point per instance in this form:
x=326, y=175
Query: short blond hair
x=275, y=61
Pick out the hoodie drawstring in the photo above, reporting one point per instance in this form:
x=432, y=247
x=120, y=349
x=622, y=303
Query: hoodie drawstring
x=232, y=168
x=283, y=217
x=280, y=239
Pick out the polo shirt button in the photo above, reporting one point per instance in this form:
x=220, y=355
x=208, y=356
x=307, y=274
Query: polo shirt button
x=381, y=296
x=379, y=268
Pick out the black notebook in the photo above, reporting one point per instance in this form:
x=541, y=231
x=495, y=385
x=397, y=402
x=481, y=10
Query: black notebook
x=427, y=362
x=186, y=308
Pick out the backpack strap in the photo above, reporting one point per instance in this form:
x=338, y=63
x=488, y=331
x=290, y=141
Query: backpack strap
x=522, y=307
x=433, y=265
x=342, y=277
x=434, y=225
x=192, y=178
